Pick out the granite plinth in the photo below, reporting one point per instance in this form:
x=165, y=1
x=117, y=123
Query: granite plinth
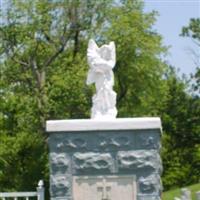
x=108, y=148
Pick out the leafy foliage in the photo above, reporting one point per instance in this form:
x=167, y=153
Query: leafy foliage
x=23, y=157
x=193, y=29
x=180, y=118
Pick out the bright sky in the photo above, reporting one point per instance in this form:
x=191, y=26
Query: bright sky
x=174, y=14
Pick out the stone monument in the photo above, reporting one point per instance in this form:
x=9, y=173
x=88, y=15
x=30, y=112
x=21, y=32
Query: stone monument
x=185, y=194
x=104, y=158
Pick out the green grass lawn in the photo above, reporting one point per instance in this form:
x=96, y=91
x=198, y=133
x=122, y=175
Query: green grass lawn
x=169, y=195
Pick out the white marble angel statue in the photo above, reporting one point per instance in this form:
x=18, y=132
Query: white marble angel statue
x=101, y=62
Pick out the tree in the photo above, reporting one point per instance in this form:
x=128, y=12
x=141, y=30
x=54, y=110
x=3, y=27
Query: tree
x=139, y=69
x=23, y=161
x=42, y=77
x=180, y=120
x=35, y=34
x=193, y=31
x=181, y=116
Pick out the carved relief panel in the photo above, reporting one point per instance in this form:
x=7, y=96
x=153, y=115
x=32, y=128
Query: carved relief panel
x=104, y=187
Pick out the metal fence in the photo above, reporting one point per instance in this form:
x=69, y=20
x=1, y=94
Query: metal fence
x=39, y=193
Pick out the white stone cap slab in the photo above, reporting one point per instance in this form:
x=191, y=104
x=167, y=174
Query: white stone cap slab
x=98, y=125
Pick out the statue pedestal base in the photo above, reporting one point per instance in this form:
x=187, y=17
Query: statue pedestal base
x=105, y=159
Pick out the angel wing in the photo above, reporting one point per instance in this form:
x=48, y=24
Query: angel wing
x=92, y=45
x=92, y=51
x=113, y=53
x=92, y=54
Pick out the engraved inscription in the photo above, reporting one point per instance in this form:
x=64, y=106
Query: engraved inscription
x=104, y=190
x=104, y=187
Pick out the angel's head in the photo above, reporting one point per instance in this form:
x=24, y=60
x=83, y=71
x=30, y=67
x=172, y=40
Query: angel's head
x=105, y=51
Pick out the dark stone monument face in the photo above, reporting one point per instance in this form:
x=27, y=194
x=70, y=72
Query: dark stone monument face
x=105, y=160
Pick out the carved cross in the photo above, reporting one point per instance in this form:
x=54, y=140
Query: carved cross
x=105, y=189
